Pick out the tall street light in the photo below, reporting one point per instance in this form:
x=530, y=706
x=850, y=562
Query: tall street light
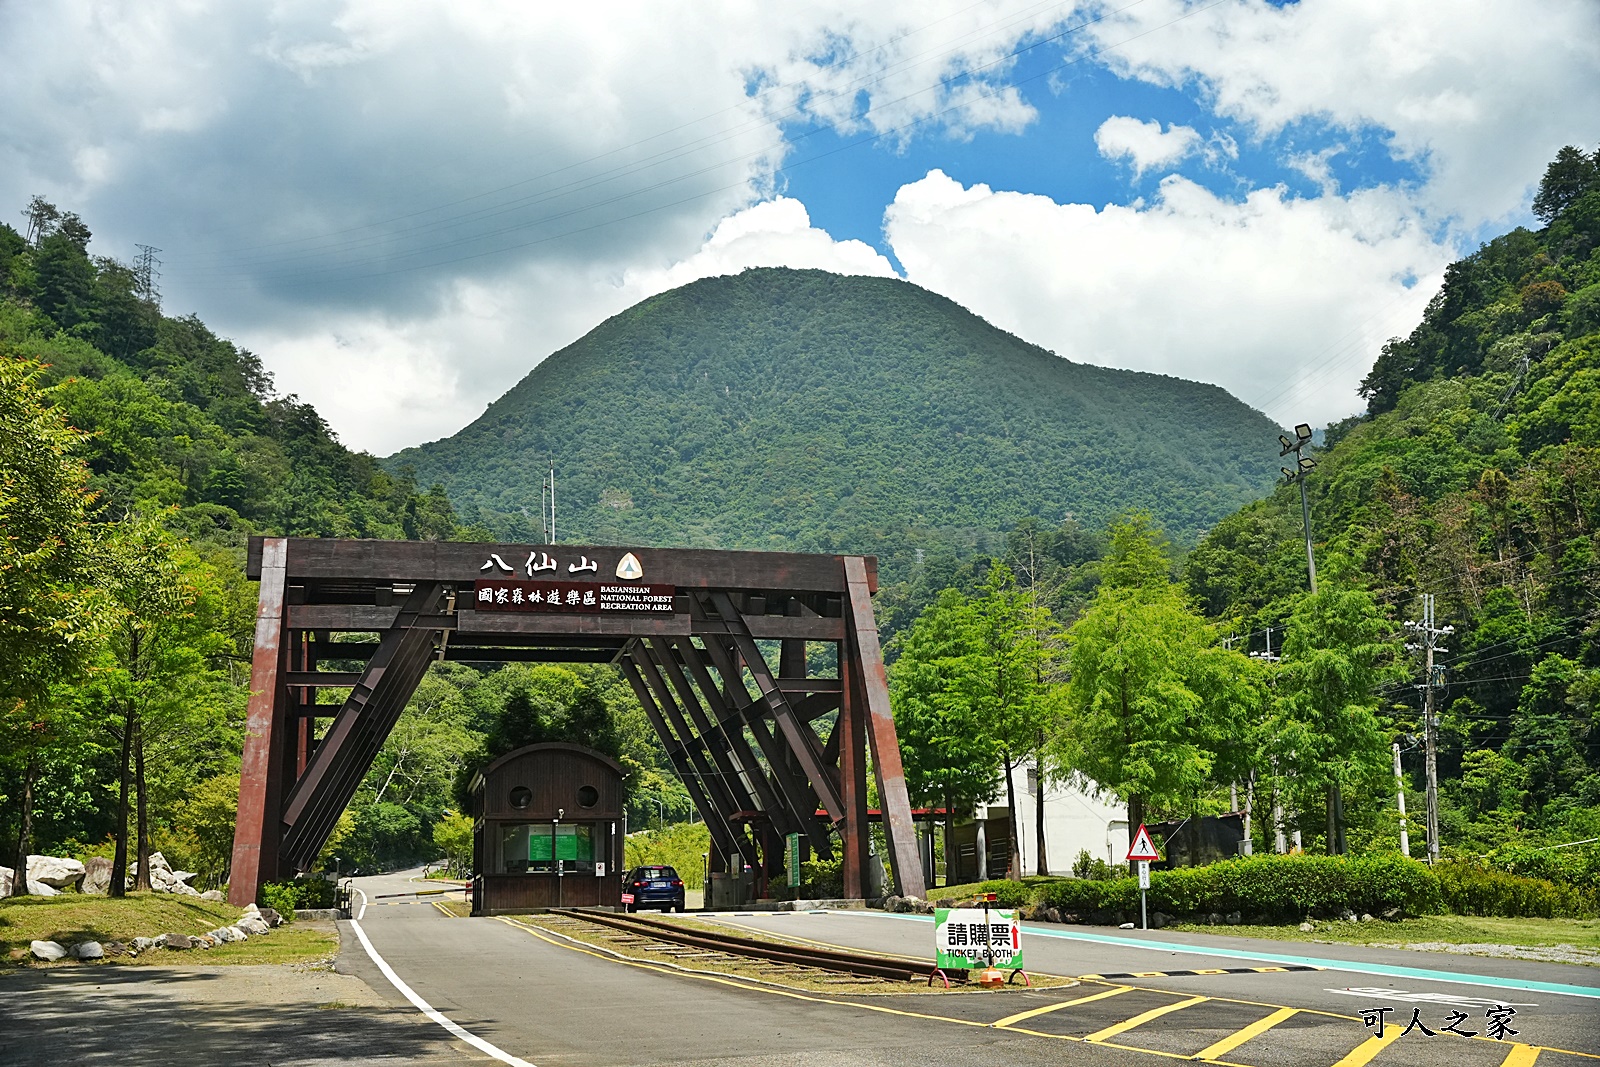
x=1303, y=466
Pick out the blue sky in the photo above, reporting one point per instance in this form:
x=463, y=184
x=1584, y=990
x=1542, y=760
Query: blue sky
x=403, y=205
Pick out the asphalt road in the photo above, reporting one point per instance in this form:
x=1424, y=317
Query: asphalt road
x=1318, y=1011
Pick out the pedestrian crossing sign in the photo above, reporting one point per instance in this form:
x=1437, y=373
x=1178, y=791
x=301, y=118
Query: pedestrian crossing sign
x=1143, y=848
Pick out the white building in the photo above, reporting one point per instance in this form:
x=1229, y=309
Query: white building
x=1076, y=820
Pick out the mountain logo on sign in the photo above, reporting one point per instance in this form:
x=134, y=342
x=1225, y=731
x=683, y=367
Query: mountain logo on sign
x=629, y=569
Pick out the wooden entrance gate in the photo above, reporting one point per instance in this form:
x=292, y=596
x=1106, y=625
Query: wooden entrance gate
x=685, y=626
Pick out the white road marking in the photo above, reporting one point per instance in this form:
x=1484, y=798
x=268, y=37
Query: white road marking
x=422, y=1005
x=1385, y=993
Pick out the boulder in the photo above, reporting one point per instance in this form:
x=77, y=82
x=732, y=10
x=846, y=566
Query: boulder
x=270, y=915
x=213, y=895
x=143, y=944
x=220, y=935
x=1306, y=928
x=179, y=941
x=254, y=925
x=238, y=934
x=115, y=949
x=1347, y=915
x=47, y=950
x=1124, y=926
x=96, y=875
x=54, y=871
x=205, y=941
x=36, y=887
x=1158, y=920
x=1366, y=918
x=1215, y=918
x=1390, y=915
x=88, y=950
x=1234, y=918
x=891, y=903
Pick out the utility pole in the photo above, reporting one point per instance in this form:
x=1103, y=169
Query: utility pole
x=1280, y=846
x=1430, y=726
x=1400, y=802
x=1303, y=466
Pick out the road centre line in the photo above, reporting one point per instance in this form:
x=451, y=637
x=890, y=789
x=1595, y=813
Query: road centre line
x=1386, y=970
x=428, y=1009
x=1255, y=1029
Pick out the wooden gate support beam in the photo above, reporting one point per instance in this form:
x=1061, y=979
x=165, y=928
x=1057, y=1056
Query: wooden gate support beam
x=898, y=827
x=256, y=840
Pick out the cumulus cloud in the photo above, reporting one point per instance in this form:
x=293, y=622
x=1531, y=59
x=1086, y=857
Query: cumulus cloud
x=1480, y=93
x=1144, y=144
x=388, y=381
x=1193, y=285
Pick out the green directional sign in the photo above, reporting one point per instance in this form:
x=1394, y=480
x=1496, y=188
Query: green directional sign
x=792, y=851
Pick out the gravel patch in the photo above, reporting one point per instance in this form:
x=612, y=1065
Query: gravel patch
x=1587, y=957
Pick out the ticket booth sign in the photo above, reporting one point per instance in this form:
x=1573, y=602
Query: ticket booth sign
x=968, y=938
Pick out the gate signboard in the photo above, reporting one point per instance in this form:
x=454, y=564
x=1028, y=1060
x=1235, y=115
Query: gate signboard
x=970, y=938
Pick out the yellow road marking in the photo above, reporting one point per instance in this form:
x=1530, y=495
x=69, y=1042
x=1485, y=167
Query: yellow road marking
x=1021, y=1015
x=1209, y=972
x=1142, y=1018
x=1370, y=1048
x=1359, y=1056
x=446, y=912
x=1150, y=974
x=1234, y=1040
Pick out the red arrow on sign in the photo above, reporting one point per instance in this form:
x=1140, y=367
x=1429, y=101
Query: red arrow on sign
x=1143, y=848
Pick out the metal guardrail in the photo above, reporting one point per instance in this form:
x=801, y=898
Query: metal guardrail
x=797, y=955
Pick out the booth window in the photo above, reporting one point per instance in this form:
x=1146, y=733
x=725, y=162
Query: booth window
x=588, y=796
x=521, y=797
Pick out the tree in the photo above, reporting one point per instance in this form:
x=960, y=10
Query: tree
x=948, y=755
x=1338, y=649
x=158, y=676
x=453, y=836
x=50, y=610
x=1568, y=177
x=1154, y=705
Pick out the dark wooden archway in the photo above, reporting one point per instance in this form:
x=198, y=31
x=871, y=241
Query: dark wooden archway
x=685, y=626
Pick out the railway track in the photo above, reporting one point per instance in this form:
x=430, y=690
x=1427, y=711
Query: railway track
x=806, y=956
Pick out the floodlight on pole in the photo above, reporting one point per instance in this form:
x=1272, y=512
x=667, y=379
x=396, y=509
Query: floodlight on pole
x=1304, y=465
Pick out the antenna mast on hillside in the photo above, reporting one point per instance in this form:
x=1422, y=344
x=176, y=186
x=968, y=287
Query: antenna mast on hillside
x=547, y=500
x=146, y=271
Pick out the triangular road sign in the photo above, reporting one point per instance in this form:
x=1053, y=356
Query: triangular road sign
x=1143, y=848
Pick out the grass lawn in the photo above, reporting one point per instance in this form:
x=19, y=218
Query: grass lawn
x=73, y=917
x=1448, y=929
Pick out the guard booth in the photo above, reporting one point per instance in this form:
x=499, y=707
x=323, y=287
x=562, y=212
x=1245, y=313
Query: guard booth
x=547, y=830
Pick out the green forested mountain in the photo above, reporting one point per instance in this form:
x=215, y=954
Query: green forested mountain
x=1476, y=478
x=804, y=410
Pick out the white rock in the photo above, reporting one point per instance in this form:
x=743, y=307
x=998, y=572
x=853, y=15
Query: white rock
x=1125, y=926
x=238, y=934
x=40, y=889
x=254, y=925
x=47, y=950
x=221, y=935
x=183, y=876
x=1306, y=928
x=88, y=950
x=55, y=871
x=143, y=944
x=213, y=895
x=5, y=881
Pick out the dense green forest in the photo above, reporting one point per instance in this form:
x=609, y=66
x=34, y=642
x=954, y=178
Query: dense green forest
x=1072, y=582
x=790, y=409
x=138, y=451
x=1474, y=477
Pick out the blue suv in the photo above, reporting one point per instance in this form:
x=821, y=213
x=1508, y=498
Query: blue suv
x=652, y=887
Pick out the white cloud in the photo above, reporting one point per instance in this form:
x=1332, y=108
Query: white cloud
x=1481, y=93
x=388, y=381
x=1144, y=144
x=1281, y=301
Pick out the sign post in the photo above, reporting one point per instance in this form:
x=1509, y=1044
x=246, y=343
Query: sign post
x=988, y=941
x=1142, y=851
x=792, y=849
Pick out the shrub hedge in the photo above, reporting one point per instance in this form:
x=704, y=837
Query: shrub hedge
x=1469, y=889
x=285, y=897
x=1266, y=887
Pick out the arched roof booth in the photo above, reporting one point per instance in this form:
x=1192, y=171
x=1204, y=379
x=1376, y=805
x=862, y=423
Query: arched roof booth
x=547, y=830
